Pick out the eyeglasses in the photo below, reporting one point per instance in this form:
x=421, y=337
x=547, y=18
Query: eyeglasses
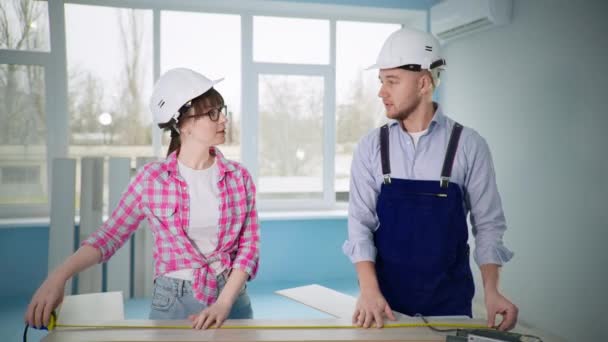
x=214, y=114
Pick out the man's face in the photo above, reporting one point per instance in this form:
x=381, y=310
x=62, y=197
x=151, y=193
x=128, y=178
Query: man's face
x=400, y=92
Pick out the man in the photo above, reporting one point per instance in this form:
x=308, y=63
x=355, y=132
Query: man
x=408, y=203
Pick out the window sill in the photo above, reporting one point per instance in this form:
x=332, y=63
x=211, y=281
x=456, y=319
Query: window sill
x=25, y=222
x=271, y=215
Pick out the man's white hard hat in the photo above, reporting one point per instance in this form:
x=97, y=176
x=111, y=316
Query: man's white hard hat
x=409, y=47
x=174, y=89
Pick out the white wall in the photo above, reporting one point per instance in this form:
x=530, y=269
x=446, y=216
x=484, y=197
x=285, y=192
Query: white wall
x=536, y=90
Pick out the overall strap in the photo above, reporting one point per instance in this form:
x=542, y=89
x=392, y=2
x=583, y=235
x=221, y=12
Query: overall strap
x=386, y=163
x=446, y=171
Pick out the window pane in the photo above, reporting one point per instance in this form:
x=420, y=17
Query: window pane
x=291, y=137
x=288, y=40
x=358, y=108
x=24, y=25
x=22, y=135
x=210, y=44
x=110, y=80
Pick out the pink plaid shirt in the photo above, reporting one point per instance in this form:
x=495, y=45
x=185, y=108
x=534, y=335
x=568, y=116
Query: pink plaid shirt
x=160, y=194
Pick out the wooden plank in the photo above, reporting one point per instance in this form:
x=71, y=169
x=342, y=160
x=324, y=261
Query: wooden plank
x=63, y=211
x=258, y=334
x=118, y=275
x=143, y=244
x=91, y=211
x=108, y=306
x=255, y=329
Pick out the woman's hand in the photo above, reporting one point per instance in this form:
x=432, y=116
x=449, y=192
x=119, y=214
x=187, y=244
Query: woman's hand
x=215, y=314
x=48, y=296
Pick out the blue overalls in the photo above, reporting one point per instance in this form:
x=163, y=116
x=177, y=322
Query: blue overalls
x=422, y=262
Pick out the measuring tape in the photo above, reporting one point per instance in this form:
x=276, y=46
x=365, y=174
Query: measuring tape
x=53, y=324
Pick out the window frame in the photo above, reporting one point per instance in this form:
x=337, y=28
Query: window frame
x=53, y=63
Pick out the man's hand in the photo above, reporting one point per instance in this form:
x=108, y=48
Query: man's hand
x=215, y=314
x=496, y=304
x=372, y=307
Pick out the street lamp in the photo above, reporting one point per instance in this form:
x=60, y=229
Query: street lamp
x=105, y=119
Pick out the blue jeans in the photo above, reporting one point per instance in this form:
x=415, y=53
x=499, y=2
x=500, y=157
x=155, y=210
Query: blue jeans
x=173, y=299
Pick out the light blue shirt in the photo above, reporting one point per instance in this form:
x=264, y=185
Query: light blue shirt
x=473, y=171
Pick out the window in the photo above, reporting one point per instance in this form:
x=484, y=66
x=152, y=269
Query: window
x=297, y=93
x=293, y=87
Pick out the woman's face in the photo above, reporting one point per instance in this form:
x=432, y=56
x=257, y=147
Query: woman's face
x=201, y=129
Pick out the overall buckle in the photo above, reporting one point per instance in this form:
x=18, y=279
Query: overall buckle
x=387, y=178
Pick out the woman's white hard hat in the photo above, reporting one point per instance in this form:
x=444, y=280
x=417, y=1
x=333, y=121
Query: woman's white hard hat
x=410, y=47
x=174, y=89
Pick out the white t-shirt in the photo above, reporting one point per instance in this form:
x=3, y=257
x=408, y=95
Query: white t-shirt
x=204, y=213
x=416, y=136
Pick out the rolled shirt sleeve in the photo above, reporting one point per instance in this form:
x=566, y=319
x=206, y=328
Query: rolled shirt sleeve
x=483, y=200
x=362, y=218
x=248, y=253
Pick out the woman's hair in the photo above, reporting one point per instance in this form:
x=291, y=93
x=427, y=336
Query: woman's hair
x=208, y=99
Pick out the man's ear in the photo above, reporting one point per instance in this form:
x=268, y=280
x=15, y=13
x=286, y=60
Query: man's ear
x=425, y=83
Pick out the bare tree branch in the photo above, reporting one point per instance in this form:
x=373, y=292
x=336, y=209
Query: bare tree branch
x=21, y=87
x=5, y=33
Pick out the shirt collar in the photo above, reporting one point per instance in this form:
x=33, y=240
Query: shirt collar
x=171, y=166
x=438, y=118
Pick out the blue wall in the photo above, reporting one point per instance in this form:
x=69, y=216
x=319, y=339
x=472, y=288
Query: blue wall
x=304, y=251
x=23, y=260
x=292, y=252
x=536, y=90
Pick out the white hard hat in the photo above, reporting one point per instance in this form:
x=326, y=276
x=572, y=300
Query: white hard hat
x=410, y=47
x=174, y=89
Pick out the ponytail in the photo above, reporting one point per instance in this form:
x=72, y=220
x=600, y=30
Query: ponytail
x=175, y=143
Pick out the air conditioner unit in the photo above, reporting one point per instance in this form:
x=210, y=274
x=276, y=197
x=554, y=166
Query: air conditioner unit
x=456, y=18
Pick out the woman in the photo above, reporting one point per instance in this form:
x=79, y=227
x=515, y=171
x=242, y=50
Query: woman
x=201, y=210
